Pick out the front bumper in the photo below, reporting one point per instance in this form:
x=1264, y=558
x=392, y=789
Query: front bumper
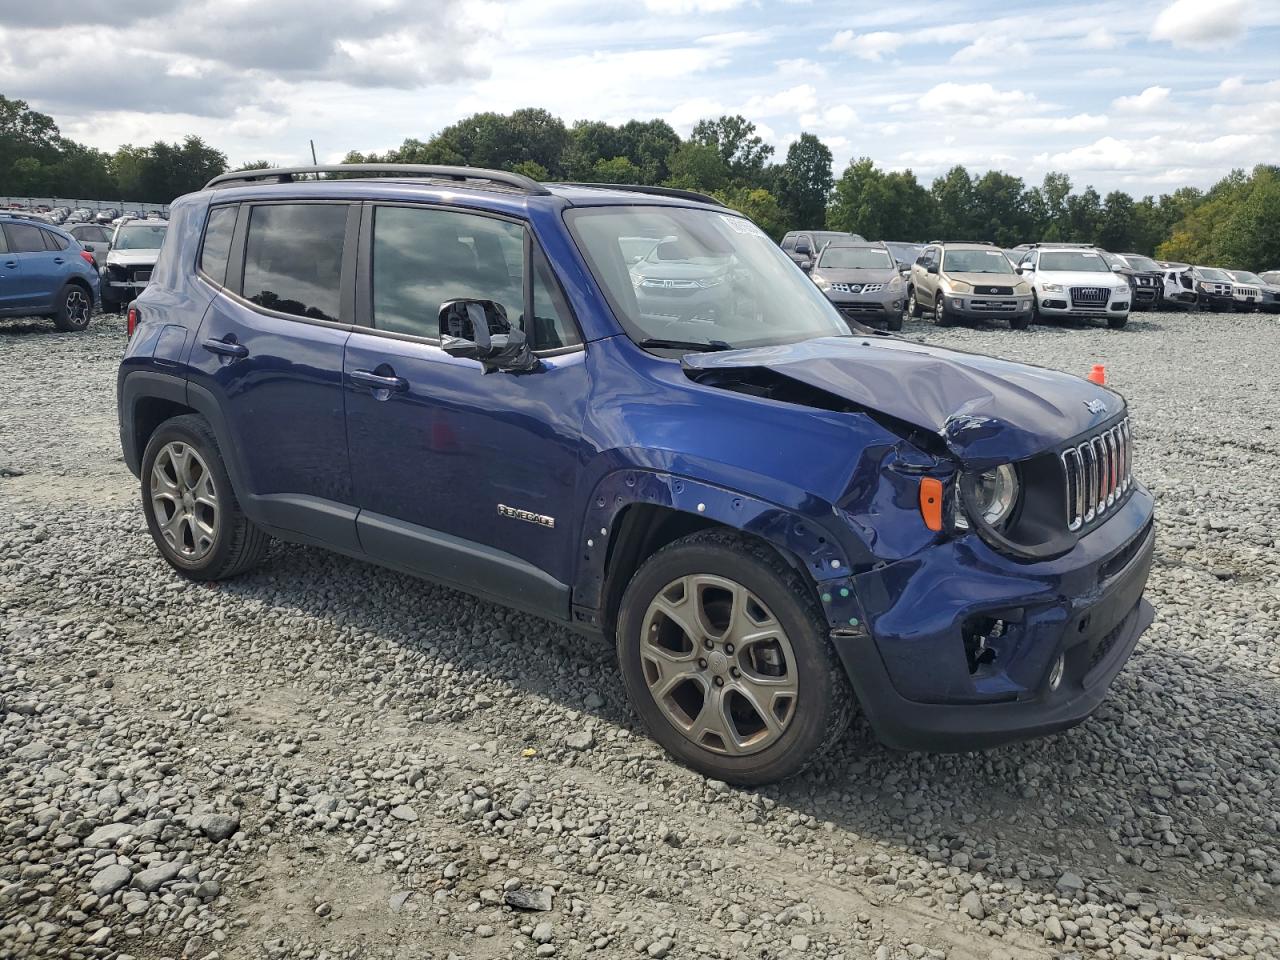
x=909, y=667
x=883, y=305
x=984, y=307
x=1217, y=302
x=1053, y=304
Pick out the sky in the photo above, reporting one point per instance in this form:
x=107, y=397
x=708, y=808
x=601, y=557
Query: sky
x=1143, y=95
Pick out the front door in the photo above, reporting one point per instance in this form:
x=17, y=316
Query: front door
x=269, y=352
x=467, y=477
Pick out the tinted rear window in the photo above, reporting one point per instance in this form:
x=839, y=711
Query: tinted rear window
x=217, y=243
x=24, y=238
x=293, y=258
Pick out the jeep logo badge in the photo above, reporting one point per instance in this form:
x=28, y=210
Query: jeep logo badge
x=1096, y=406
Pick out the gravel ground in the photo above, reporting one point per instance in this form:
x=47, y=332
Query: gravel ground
x=324, y=759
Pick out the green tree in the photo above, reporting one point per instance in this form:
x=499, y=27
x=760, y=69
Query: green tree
x=953, y=206
x=1084, y=216
x=616, y=170
x=734, y=138
x=1000, y=210
x=805, y=182
x=696, y=166
x=759, y=205
x=879, y=205
x=1116, y=231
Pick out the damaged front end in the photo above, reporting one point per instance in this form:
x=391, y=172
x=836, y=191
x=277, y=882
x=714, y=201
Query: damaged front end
x=1025, y=598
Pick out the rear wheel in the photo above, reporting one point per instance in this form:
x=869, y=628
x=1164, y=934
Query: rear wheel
x=74, y=309
x=726, y=658
x=191, y=510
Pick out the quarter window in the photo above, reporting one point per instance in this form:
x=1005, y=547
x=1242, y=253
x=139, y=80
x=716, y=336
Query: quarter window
x=217, y=243
x=422, y=258
x=52, y=241
x=293, y=258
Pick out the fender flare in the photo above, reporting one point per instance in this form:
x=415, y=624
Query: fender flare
x=801, y=540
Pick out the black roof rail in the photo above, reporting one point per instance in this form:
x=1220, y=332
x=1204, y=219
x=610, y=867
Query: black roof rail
x=287, y=175
x=641, y=188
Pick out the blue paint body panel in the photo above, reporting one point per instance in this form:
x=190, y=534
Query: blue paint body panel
x=418, y=478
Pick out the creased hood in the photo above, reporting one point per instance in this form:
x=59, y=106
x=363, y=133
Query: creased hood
x=986, y=410
x=133, y=258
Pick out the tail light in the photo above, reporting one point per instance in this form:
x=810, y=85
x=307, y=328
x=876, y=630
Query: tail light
x=131, y=320
x=88, y=258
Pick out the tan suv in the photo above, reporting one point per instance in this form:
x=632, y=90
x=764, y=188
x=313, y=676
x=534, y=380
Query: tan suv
x=968, y=280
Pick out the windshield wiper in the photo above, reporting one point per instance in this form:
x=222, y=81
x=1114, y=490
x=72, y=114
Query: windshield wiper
x=707, y=346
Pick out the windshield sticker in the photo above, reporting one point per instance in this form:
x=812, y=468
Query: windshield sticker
x=744, y=227
x=993, y=253
x=1093, y=255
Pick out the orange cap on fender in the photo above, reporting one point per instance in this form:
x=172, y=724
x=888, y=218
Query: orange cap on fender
x=931, y=502
x=1098, y=375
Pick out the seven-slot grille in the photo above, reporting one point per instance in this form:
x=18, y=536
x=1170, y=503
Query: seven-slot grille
x=1090, y=296
x=1247, y=292
x=1098, y=472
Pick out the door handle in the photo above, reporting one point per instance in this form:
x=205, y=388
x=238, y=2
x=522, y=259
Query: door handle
x=58, y=260
x=11, y=264
x=226, y=348
x=374, y=381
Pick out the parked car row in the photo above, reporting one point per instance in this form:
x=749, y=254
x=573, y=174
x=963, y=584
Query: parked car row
x=1213, y=289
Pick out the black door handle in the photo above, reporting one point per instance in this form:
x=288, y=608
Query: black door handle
x=11, y=264
x=58, y=260
x=226, y=348
x=375, y=381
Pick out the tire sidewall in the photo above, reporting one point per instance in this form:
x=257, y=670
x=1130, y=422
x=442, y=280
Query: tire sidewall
x=188, y=430
x=815, y=702
x=63, y=317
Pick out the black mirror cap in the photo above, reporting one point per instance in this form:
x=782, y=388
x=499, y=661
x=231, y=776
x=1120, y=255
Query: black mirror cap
x=932, y=268
x=480, y=330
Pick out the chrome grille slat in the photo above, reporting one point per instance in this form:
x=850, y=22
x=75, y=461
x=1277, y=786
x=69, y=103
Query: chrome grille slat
x=1097, y=473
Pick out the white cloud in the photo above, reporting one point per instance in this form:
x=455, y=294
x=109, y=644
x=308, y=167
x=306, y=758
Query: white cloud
x=678, y=7
x=994, y=51
x=975, y=99
x=1148, y=101
x=1077, y=123
x=867, y=46
x=1200, y=24
x=800, y=99
x=1099, y=38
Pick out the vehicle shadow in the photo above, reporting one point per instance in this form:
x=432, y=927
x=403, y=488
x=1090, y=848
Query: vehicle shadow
x=21, y=326
x=1089, y=799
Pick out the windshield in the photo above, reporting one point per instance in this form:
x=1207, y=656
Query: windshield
x=715, y=279
x=1143, y=264
x=1077, y=261
x=140, y=236
x=855, y=258
x=1244, y=276
x=975, y=261
x=1213, y=273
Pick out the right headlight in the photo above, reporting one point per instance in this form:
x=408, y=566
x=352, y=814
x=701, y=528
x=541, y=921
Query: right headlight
x=1051, y=287
x=956, y=286
x=992, y=496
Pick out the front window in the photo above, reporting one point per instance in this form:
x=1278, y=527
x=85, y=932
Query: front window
x=714, y=280
x=855, y=258
x=976, y=261
x=1142, y=264
x=1244, y=276
x=1213, y=273
x=1073, y=261
x=140, y=236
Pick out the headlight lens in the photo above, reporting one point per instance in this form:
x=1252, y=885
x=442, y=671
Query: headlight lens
x=711, y=281
x=1022, y=287
x=1051, y=287
x=957, y=286
x=995, y=495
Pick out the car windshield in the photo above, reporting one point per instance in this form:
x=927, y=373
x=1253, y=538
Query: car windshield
x=140, y=236
x=1213, y=273
x=1075, y=261
x=715, y=280
x=1143, y=264
x=976, y=261
x=855, y=258
x=1244, y=276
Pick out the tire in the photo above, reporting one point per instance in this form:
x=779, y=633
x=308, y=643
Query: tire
x=1117, y=323
x=893, y=321
x=913, y=305
x=1036, y=316
x=810, y=698
x=75, y=307
x=940, y=315
x=234, y=545
x=1019, y=323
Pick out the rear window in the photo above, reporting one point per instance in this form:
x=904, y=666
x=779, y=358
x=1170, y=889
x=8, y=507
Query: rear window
x=293, y=258
x=216, y=249
x=52, y=241
x=24, y=238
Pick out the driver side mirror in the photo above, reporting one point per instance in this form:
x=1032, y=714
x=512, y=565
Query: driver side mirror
x=806, y=265
x=480, y=330
x=932, y=268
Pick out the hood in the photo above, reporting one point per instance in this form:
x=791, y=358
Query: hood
x=985, y=410
x=987, y=279
x=857, y=274
x=678, y=269
x=133, y=258
x=1078, y=278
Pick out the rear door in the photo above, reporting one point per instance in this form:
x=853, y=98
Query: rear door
x=268, y=356
x=10, y=275
x=38, y=270
x=466, y=477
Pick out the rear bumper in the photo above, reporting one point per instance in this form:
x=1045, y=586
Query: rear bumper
x=909, y=668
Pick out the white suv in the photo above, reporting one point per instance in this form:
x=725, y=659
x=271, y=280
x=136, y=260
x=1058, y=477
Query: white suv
x=1074, y=281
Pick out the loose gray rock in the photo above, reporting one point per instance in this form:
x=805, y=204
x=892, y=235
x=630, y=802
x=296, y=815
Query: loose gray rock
x=218, y=826
x=110, y=879
x=523, y=899
x=149, y=881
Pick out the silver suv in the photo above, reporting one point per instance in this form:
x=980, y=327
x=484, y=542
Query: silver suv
x=863, y=281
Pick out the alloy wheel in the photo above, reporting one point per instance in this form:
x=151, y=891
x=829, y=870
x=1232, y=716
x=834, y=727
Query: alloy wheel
x=184, y=500
x=719, y=664
x=77, y=307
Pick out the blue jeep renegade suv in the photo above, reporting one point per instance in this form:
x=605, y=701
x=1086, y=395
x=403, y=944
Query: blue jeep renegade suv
x=625, y=409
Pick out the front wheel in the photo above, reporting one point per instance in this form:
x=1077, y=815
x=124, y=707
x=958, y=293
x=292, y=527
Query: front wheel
x=940, y=315
x=913, y=305
x=191, y=510
x=725, y=656
x=1019, y=323
x=1117, y=323
x=74, y=309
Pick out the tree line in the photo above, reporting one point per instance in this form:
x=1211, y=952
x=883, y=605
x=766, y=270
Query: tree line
x=1235, y=223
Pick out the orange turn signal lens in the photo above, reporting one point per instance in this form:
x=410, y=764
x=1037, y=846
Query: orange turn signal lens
x=931, y=503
